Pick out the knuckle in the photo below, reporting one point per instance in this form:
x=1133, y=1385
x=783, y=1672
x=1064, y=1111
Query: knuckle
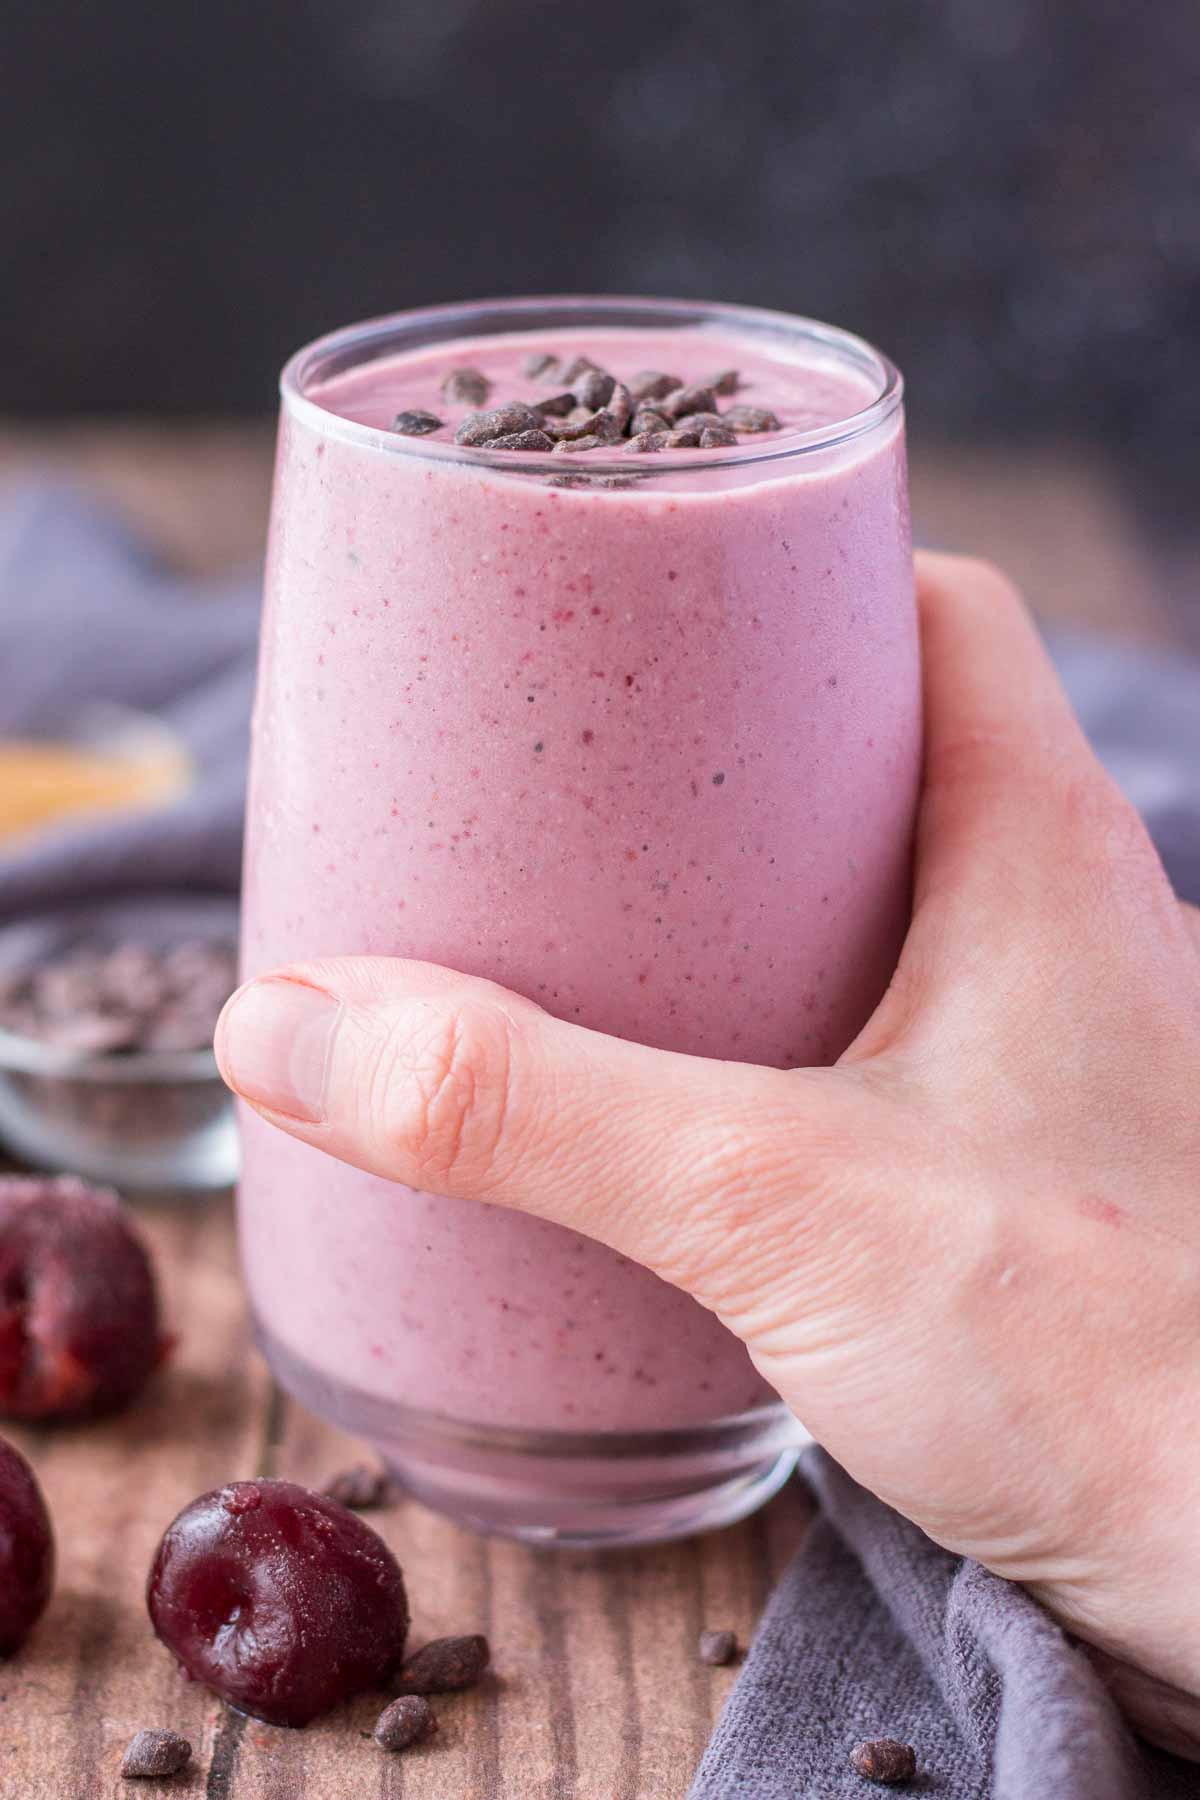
x=442, y=1088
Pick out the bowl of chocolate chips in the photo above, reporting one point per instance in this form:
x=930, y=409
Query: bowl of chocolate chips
x=106, y=1060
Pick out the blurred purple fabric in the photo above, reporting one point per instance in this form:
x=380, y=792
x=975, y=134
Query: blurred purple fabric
x=873, y=1631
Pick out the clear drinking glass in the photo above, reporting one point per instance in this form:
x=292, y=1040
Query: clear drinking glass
x=644, y=749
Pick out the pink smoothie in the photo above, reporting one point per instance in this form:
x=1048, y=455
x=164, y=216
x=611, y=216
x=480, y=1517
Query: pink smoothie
x=647, y=754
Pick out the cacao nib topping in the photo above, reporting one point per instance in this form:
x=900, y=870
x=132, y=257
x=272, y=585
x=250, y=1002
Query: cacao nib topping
x=466, y=387
x=521, y=440
x=650, y=384
x=606, y=424
x=698, y=420
x=594, y=388
x=568, y=428
x=591, y=440
x=750, y=418
x=557, y=404
x=686, y=400
x=576, y=479
x=579, y=365
x=620, y=405
x=481, y=427
x=541, y=367
x=416, y=424
x=652, y=412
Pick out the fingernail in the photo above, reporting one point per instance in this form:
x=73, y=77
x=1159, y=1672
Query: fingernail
x=273, y=1046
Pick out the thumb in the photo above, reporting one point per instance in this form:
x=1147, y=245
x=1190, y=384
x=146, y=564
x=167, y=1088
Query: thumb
x=455, y=1086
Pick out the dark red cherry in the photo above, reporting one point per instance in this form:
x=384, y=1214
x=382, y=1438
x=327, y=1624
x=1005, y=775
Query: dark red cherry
x=26, y=1550
x=278, y=1598
x=79, y=1318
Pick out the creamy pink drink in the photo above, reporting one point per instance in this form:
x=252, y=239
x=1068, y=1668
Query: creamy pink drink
x=634, y=731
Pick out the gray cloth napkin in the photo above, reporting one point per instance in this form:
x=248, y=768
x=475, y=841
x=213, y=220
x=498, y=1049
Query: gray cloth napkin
x=873, y=1631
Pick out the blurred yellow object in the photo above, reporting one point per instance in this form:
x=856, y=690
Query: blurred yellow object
x=42, y=781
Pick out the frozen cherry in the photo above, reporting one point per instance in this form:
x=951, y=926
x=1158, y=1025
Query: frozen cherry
x=79, y=1318
x=26, y=1550
x=279, y=1599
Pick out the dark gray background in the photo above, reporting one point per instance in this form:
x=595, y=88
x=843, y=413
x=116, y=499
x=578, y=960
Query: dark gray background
x=1002, y=193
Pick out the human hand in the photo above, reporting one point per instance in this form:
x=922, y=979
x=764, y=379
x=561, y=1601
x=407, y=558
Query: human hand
x=968, y=1256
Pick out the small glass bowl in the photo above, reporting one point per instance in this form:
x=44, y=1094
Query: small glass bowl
x=146, y=1119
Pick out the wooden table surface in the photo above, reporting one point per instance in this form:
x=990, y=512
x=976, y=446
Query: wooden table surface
x=596, y=1692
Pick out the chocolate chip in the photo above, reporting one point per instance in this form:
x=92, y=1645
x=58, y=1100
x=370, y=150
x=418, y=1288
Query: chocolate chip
x=564, y=429
x=407, y=1721
x=648, y=418
x=686, y=400
x=591, y=440
x=698, y=420
x=541, y=367
x=153, y=1753
x=620, y=404
x=594, y=387
x=416, y=424
x=466, y=387
x=607, y=424
x=651, y=384
x=521, y=440
x=644, y=441
x=727, y=381
x=445, y=1665
x=361, y=1487
x=884, y=1760
x=578, y=366
x=683, y=440
x=503, y=421
x=560, y=404
x=716, y=1648
x=750, y=418
x=717, y=437
x=578, y=479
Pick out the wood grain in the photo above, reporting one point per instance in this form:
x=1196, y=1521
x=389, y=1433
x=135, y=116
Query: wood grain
x=596, y=1693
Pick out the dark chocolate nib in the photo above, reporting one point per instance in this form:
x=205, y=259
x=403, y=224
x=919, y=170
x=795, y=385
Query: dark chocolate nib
x=591, y=409
x=466, y=387
x=416, y=424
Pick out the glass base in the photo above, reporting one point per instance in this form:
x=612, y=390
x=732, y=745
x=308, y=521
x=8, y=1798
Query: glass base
x=562, y=1489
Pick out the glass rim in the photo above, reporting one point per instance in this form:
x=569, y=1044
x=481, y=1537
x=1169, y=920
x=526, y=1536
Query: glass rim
x=351, y=346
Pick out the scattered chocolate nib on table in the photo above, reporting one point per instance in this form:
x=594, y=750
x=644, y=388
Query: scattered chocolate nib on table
x=153, y=1753
x=885, y=1760
x=445, y=1665
x=716, y=1648
x=592, y=409
x=361, y=1487
x=407, y=1721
